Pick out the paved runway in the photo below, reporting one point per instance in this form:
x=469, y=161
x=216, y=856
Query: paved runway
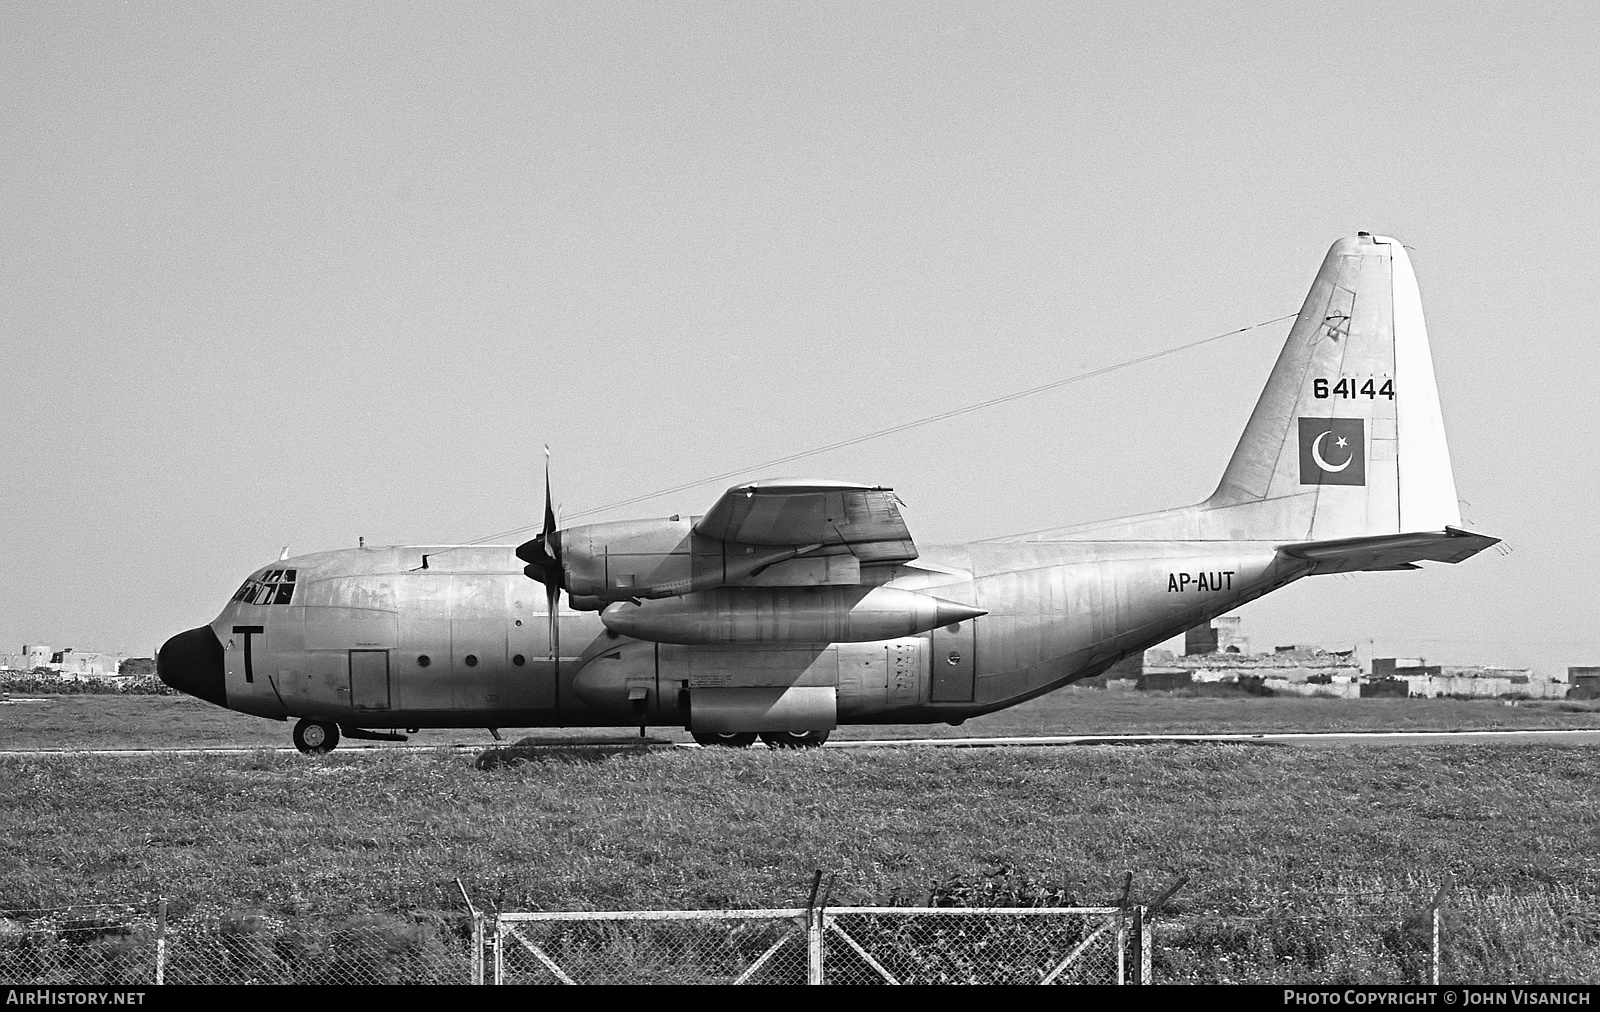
x=1302, y=738
x=1314, y=739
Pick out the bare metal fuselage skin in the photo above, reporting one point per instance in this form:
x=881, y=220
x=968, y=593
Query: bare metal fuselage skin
x=372, y=640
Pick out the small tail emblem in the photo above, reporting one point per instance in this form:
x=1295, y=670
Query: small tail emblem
x=1333, y=451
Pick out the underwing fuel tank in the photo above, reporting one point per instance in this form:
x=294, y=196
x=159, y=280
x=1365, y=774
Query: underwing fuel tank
x=785, y=615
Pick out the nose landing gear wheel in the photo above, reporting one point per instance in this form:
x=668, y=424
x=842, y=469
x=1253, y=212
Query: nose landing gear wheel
x=737, y=739
x=314, y=737
x=794, y=739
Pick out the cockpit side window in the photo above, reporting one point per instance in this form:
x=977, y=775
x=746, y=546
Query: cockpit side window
x=274, y=586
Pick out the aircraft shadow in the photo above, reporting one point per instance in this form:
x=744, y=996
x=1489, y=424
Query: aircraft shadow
x=567, y=751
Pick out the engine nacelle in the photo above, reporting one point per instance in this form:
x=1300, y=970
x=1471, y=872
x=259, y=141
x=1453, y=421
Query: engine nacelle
x=643, y=559
x=785, y=615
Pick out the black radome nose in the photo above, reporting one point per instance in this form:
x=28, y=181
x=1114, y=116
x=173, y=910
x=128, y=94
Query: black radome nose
x=192, y=662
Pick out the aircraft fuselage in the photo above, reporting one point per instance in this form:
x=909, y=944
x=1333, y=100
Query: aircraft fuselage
x=368, y=638
x=794, y=605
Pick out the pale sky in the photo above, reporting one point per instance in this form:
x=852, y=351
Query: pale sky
x=298, y=274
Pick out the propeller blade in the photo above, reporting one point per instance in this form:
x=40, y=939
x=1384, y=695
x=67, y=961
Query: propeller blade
x=552, y=599
x=543, y=556
x=543, y=552
x=549, y=509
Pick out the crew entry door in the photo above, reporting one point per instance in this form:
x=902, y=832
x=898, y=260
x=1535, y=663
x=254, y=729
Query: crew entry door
x=369, y=679
x=953, y=664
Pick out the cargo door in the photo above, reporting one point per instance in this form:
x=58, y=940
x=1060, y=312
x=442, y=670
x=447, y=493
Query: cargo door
x=953, y=662
x=369, y=679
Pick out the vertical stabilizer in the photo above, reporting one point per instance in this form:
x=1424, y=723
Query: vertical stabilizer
x=1347, y=439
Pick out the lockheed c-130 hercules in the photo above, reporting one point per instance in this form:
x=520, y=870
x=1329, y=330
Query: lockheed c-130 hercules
x=793, y=606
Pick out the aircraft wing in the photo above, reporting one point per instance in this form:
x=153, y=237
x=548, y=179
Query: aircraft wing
x=1389, y=551
x=795, y=511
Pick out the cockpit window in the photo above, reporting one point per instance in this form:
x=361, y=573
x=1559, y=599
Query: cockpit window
x=275, y=586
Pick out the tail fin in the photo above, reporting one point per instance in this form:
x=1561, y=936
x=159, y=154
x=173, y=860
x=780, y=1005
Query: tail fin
x=1347, y=439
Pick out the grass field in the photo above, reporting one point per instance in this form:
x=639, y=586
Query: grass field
x=1304, y=864
x=88, y=721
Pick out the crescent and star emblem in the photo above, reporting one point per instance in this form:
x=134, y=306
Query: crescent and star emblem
x=1322, y=462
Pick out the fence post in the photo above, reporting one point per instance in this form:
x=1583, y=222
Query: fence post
x=475, y=963
x=1122, y=927
x=499, y=962
x=1436, y=946
x=161, y=942
x=1146, y=929
x=477, y=947
x=1438, y=899
x=1122, y=947
x=814, y=947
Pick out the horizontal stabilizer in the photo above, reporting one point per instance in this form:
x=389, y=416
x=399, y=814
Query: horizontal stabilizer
x=1389, y=551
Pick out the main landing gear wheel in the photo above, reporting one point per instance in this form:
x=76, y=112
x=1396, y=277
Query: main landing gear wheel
x=794, y=739
x=735, y=739
x=314, y=737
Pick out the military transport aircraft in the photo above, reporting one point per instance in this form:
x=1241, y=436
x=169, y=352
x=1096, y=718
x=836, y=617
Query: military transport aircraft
x=794, y=606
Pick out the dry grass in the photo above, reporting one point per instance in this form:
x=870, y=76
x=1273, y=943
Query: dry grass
x=87, y=721
x=1273, y=839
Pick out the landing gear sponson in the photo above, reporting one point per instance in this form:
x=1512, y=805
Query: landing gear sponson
x=776, y=739
x=317, y=737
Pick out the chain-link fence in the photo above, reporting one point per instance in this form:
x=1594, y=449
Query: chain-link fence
x=372, y=949
x=134, y=945
x=91, y=944
x=1420, y=936
x=841, y=945
x=651, y=947
x=951, y=945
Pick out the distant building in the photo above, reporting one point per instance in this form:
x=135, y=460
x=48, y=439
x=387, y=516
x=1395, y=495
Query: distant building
x=1391, y=667
x=1219, y=636
x=1429, y=681
x=1585, y=682
x=1217, y=653
x=67, y=662
x=1165, y=681
x=1379, y=688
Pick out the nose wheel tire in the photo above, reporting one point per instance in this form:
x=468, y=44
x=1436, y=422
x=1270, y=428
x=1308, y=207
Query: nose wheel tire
x=794, y=739
x=314, y=737
x=738, y=739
